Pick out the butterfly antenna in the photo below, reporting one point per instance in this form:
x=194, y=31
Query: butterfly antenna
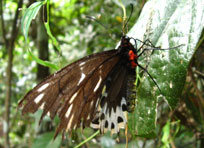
x=132, y=8
x=94, y=19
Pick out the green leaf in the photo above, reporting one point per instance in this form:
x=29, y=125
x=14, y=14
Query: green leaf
x=44, y=63
x=29, y=15
x=166, y=133
x=47, y=26
x=54, y=41
x=166, y=23
x=143, y=118
x=46, y=141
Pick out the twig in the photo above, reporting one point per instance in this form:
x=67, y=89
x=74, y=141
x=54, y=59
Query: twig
x=10, y=47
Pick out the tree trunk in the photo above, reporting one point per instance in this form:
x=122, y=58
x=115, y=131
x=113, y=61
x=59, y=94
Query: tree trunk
x=42, y=45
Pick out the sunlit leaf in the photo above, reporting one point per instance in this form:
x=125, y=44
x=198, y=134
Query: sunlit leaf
x=166, y=133
x=44, y=63
x=54, y=41
x=30, y=14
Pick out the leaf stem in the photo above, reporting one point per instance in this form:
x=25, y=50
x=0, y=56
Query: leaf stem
x=91, y=137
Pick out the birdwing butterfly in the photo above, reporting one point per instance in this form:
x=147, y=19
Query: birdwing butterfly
x=93, y=91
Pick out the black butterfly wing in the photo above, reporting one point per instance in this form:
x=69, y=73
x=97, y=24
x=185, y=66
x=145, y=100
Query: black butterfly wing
x=70, y=90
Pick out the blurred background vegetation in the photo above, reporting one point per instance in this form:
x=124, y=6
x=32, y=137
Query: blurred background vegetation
x=77, y=37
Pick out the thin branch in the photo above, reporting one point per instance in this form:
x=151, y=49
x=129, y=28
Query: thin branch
x=15, y=25
x=2, y=24
x=10, y=48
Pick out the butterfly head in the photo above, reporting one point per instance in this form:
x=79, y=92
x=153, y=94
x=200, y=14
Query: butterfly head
x=127, y=48
x=125, y=41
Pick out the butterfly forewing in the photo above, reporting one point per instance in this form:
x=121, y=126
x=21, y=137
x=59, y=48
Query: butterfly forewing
x=54, y=83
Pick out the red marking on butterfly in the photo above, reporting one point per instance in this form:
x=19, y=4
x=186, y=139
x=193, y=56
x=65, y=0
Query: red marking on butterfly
x=132, y=58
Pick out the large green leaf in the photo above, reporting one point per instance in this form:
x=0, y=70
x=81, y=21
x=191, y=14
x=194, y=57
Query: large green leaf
x=167, y=23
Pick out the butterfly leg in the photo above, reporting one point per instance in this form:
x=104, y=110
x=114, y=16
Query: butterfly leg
x=147, y=43
x=149, y=76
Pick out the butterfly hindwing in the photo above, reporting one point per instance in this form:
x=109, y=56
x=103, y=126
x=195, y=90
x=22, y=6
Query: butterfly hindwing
x=112, y=111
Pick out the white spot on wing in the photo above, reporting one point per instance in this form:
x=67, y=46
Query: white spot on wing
x=75, y=126
x=82, y=63
x=70, y=122
x=73, y=97
x=42, y=106
x=98, y=84
x=88, y=117
x=123, y=101
x=48, y=113
x=97, y=102
x=95, y=126
x=81, y=68
x=68, y=111
x=91, y=104
x=43, y=87
x=82, y=78
x=38, y=98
